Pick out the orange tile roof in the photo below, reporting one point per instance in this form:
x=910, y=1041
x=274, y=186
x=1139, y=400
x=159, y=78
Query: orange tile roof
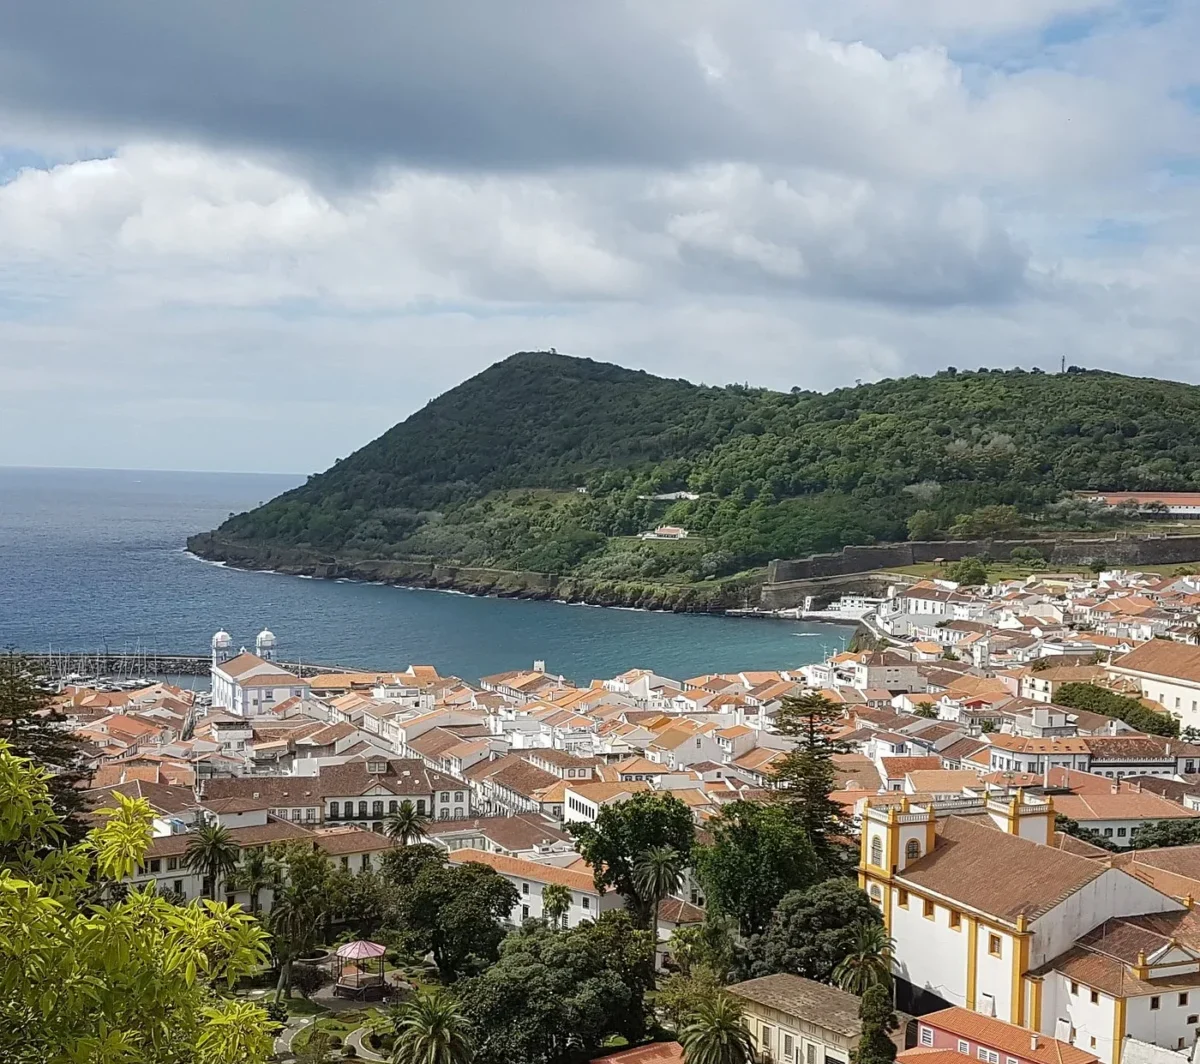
x=1007, y=1037
x=654, y=1053
x=522, y=869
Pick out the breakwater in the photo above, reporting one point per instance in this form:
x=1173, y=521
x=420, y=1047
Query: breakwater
x=141, y=664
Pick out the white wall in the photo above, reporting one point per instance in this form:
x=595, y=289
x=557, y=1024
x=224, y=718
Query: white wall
x=1113, y=893
x=1167, y=1024
x=1091, y=1021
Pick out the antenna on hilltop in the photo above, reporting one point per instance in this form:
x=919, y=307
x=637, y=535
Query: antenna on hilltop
x=1063, y=366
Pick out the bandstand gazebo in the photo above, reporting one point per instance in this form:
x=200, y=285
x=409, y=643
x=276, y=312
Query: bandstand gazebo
x=355, y=975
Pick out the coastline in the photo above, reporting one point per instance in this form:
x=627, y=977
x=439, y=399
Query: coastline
x=715, y=599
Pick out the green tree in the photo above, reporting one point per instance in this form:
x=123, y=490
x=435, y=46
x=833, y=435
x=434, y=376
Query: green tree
x=626, y=830
x=712, y=944
x=813, y=931
x=137, y=980
x=454, y=912
x=1167, y=833
x=878, y=1021
x=363, y=902
x=1133, y=712
x=257, y=871
x=294, y=923
x=406, y=825
x=556, y=903
x=806, y=775
x=402, y=865
x=431, y=1029
x=970, y=572
x=716, y=1034
x=758, y=853
x=926, y=711
x=213, y=854
x=869, y=962
x=923, y=525
x=32, y=730
x=987, y=521
x=657, y=874
x=557, y=996
x=681, y=994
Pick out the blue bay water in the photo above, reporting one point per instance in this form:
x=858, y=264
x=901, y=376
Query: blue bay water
x=94, y=559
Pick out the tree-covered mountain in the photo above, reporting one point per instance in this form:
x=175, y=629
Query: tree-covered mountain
x=487, y=474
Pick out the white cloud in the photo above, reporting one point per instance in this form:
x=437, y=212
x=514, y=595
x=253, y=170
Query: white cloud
x=791, y=194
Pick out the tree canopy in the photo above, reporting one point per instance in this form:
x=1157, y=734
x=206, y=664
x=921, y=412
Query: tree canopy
x=813, y=931
x=556, y=996
x=1100, y=700
x=758, y=853
x=621, y=836
x=138, y=979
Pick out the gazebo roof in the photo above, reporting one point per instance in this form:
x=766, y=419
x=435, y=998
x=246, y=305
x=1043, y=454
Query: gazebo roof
x=355, y=951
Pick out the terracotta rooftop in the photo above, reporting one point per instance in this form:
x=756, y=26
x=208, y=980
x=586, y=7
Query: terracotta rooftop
x=534, y=871
x=1006, y=1037
x=998, y=874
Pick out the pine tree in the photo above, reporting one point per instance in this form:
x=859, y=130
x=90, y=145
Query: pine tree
x=33, y=730
x=878, y=1021
x=806, y=775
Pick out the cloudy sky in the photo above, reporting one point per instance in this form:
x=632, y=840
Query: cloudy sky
x=253, y=235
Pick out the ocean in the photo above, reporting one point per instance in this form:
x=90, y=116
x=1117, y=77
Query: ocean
x=94, y=560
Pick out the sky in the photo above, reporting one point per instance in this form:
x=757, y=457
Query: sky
x=253, y=235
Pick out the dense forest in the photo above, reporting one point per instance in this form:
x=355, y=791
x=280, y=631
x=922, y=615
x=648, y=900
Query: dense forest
x=545, y=462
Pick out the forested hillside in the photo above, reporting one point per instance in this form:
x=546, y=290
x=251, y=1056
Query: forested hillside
x=487, y=474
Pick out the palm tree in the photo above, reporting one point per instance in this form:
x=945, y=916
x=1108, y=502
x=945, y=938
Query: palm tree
x=430, y=1029
x=716, y=1034
x=293, y=924
x=869, y=962
x=212, y=852
x=257, y=872
x=657, y=872
x=556, y=903
x=406, y=824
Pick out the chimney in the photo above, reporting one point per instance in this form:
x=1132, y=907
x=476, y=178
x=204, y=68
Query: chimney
x=1033, y=1043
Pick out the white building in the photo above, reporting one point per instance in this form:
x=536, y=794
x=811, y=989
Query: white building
x=250, y=685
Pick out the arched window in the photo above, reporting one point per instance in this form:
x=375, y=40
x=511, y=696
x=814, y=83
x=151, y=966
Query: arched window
x=377, y=809
x=333, y=809
x=393, y=806
x=877, y=852
x=912, y=851
x=876, y=894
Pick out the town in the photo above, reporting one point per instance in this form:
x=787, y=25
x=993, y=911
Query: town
x=1017, y=766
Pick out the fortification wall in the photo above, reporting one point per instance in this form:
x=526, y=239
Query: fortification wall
x=1118, y=549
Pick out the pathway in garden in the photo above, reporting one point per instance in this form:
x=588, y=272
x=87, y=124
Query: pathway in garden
x=358, y=1040
x=283, y=1041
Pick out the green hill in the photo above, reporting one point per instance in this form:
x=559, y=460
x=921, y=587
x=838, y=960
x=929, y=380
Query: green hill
x=487, y=474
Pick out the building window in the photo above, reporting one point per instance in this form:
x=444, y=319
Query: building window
x=1120, y=833
x=994, y=945
x=362, y=809
x=445, y=796
x=155, y=864
x=1183, y=1000
x=810, y=1054
x=172, y=863
x=877, y=852
x=393, y=806
x=420, y=805
x=1192, y=1020
x=178, y=886
x=926, y=1036
x=789, y=1047
x=902, y=899
x=1154, y=1003
x=912, y=851
x=963, y=1046
x=524, y=888
x=1108, y=831
x=1095, y=998
x=458, y=796
x=955, y=919
x=334, y=811
x=524, y=912
x=1092, y=1042
x=928, y=909
x=587, y=903
x=988, y=1055
x=377, y=808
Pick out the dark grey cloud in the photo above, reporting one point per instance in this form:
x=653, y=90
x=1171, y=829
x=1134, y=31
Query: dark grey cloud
x=466, y=84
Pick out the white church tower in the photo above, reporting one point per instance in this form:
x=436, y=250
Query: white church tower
x=264, y=645
x=222, y=647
